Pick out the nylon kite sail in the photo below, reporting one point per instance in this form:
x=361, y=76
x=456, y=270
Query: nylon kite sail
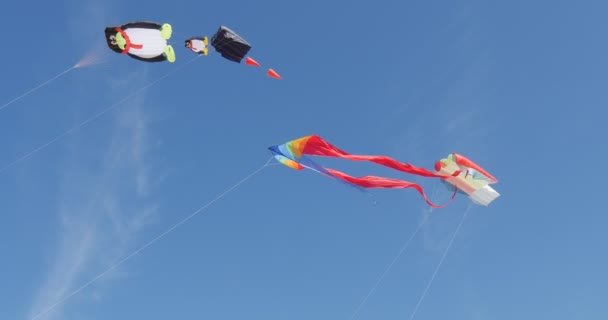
x=141, y=40
x=473, y=180
x=295, y=154
x=229, y=45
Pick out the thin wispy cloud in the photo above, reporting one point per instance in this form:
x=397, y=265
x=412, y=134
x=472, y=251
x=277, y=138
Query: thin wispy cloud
x=103, y=205
x=104, y=193
x=442, y=126
x=450, y=120
x=460, y=126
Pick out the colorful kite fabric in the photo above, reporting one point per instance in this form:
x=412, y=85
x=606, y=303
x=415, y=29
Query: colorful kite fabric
x=473, y=180
x=294, y=155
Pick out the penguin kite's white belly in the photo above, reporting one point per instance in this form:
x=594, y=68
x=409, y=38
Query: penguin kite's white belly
x=197, y=45
x=153, y=44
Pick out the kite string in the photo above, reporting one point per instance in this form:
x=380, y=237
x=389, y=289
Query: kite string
x=96, y=56
x=151, y=242
x=388, y=268
x=445, y=252
x=38, y=87
x=425, y=220
x=92, y=118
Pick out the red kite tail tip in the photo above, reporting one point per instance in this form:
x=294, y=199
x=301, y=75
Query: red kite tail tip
x=251, y=62
x=273, y=74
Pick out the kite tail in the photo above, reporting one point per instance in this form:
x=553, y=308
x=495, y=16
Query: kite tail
x=250, y=62
x=388, y=183
x=271, y=73
x=317, y=146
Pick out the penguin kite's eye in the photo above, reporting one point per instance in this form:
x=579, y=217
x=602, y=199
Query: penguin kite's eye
x=112, y=37
x=113, y=42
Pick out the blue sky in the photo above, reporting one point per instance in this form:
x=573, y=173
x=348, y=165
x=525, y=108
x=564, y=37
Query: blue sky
x=518, y=87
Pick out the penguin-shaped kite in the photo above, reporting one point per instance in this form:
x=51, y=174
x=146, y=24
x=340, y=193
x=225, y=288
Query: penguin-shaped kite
x=198, y=45
x=142, y=40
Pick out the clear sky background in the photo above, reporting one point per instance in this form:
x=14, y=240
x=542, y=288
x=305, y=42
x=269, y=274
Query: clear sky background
x=517, y=86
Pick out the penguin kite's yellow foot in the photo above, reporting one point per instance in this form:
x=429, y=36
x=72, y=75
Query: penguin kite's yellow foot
x=205, y=51
x=166, y=31
x=206, y=41
x=169, y=53
x=121, y=42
